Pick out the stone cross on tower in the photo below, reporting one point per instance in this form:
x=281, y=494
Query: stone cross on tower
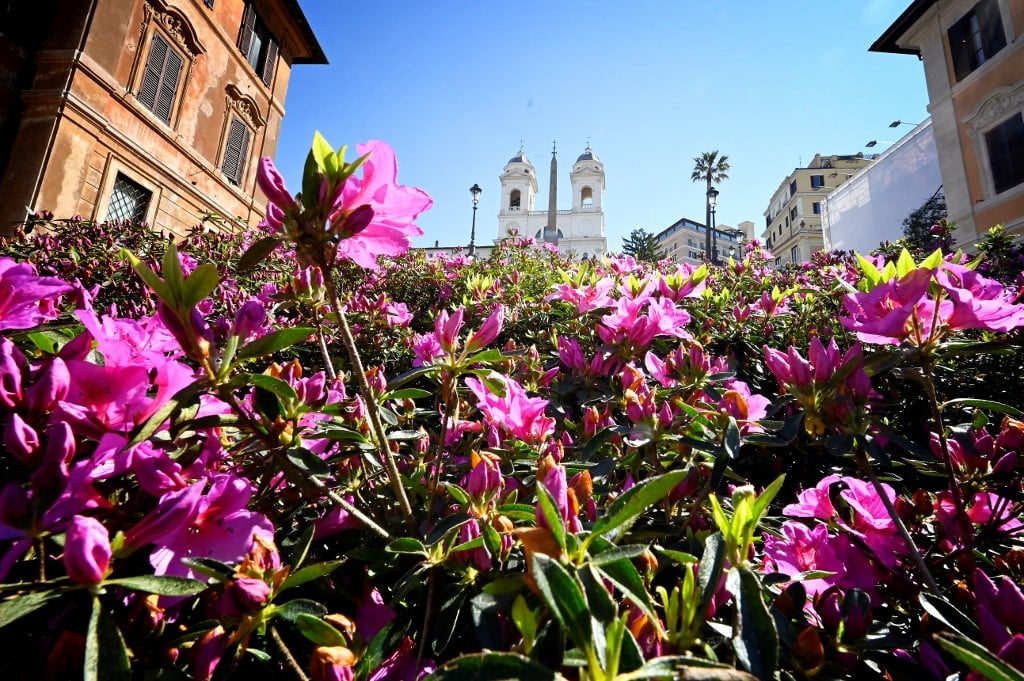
x=551, y=229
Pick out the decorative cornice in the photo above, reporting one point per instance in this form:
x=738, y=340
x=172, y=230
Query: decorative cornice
x=244, y=106
x=1003, y=101
x=176, y=25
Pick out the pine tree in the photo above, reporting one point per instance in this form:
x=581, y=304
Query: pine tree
x=642, y=245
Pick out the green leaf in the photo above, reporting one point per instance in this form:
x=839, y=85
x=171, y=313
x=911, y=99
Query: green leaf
x=321, y=151
x=311, y=179
x=274, y=385
x=626, y=578
x=43, y=342
x=161, y=585
x=679, y=556
x=318, y=631
x=633, y=502
x=18, y=606
x=564, y=598
x=407, y=545
x=147, y=428
x=299, y=606
x=174, y=277
x=732, y=441
x=978, y=658
x=149, y=277
x=311, y=572
x=549, y=509
x=407, y=394
x=950, y=615
x=487, y=666
x=617, y=553
x=307, y=462
x=755, y=638
x=272, y=342
x=200, y=283
x=446, y=526
x=106, y=656
x=990, y=405
x=209, y=567
x=525, y=620
x=301, y=549
x=709, y=572
x=599, y=601
x=256, y=253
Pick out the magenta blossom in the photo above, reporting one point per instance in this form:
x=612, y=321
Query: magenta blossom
x=197, y=523
x=26, y=299
x=802, y=549
x=86, y=550
x=513, y=413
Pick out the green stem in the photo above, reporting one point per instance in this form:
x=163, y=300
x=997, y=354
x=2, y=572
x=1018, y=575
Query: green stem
x=912, y=549
x=288, y=657
x=324, y=351
x=933, y=402
x=379, y=434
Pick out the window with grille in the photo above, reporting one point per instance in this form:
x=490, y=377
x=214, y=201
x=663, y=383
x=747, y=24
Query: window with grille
x=128, y=200
x=235, y=151
x=160, y=79
x=1005, y=144
x=257, y=44
x=976, y=38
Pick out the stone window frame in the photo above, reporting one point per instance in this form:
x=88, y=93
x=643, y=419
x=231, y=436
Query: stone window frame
x=176, y=30
x=241, y=107
x=114, y=167
x=997, y=108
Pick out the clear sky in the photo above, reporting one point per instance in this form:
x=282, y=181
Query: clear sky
x=454, y=86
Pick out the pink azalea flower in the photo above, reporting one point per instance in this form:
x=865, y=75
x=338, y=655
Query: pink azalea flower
x=194, y=523
x=26, y=299
x=401, y=665
x=892, y=311
x=978, y=302
x=513, y=413
x=803, y=549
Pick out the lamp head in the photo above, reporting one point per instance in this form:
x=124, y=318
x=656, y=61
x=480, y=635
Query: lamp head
x=712, y=198
x=476, y=191
x=871, y=143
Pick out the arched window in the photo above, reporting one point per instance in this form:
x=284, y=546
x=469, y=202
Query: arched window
x=514, y=199
x=587, y=197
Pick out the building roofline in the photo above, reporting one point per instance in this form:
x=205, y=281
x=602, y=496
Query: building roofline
x=316, y=52
x=888, y=41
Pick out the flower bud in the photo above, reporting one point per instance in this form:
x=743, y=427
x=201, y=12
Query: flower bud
x=250, y=317
x=488, y=331
x=12, y=366
x=51, y=387
x=331, y=663
x=272, y=184
x=21, y=440
x=86, y=550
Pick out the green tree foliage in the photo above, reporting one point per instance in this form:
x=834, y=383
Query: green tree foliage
x=642, y=245
x=917, y=227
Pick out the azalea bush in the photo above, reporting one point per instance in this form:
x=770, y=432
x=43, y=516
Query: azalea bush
x=304, y=451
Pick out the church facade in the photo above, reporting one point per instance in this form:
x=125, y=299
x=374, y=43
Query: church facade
x=579, y=230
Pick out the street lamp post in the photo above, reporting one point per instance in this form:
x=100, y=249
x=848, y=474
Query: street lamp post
x=475, y=190
x=712, y=202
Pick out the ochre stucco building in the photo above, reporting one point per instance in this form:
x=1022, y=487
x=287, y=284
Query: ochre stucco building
x=973, y=55
x=146, y=109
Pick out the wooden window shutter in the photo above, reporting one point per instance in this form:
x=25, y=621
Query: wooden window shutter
x=270, y=61
x=235, y=151
x=154, y=67
x=168, y=86
x=248, y=27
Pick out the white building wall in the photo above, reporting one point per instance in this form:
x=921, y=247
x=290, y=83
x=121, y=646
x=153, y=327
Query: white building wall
x=870, y=207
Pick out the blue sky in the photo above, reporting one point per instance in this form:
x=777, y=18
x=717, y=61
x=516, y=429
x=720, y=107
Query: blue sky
x=454, y=86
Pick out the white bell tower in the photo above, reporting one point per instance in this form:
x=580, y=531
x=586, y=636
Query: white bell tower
x=587, y=179
x=518, y=190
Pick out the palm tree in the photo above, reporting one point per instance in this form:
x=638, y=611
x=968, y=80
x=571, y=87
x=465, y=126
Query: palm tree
x=711, y=168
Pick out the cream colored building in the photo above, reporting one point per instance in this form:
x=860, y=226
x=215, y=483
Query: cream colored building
x=683, y=240
x=793, y=219
x=973, y=56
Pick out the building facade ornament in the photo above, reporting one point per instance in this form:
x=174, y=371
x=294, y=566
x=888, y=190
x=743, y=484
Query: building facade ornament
x=243, y=106
x=175, y=25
